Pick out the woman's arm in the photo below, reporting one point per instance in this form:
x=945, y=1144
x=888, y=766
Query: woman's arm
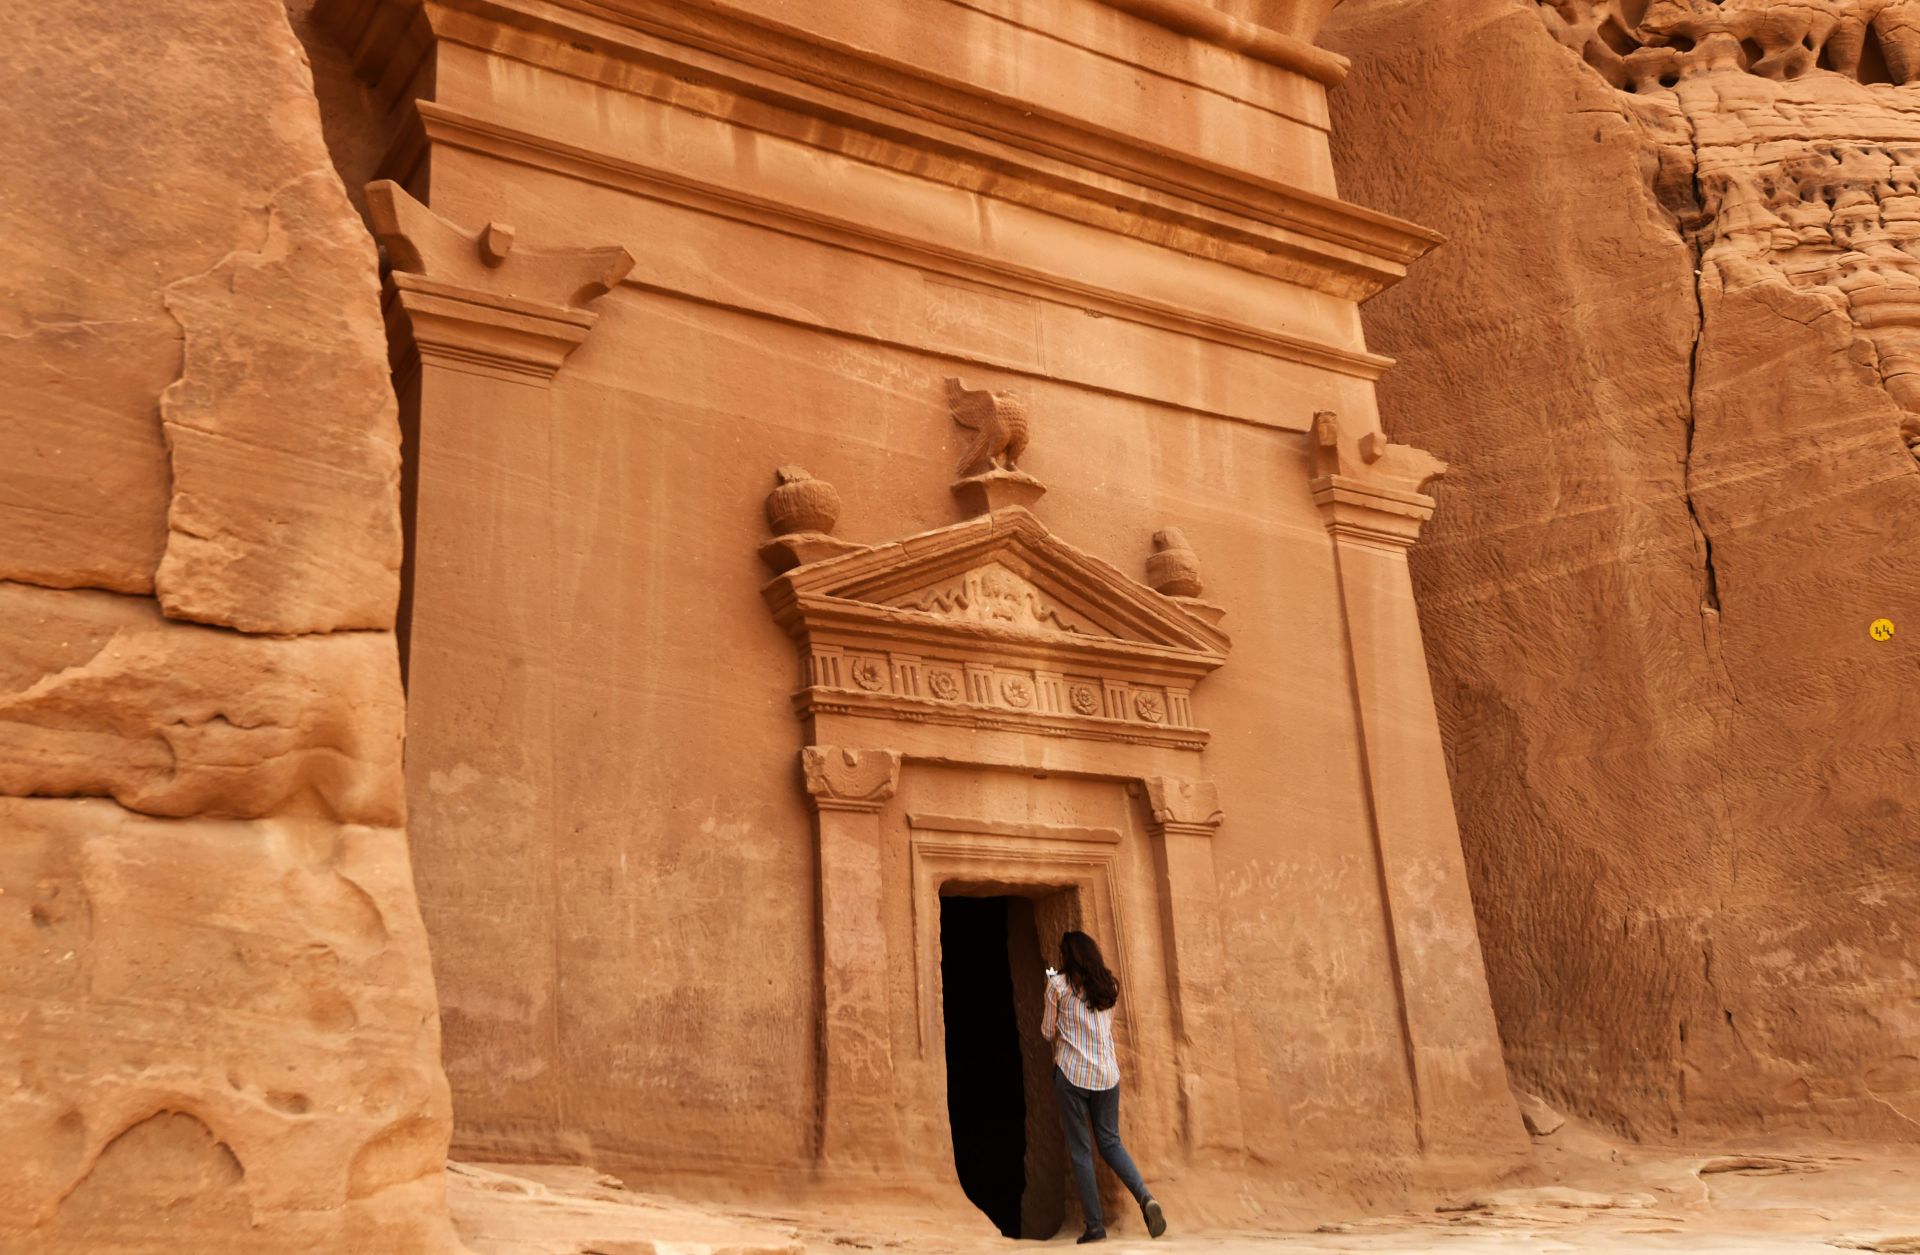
x=1049, y=1023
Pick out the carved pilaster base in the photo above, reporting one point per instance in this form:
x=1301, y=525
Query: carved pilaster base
x=997, y=490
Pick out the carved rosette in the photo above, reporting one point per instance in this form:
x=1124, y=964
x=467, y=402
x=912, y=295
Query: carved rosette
x=958, y=685
x=868, y=674
x=849, y=779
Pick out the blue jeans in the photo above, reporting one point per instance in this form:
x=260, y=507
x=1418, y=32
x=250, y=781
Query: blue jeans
x=1103, y=1107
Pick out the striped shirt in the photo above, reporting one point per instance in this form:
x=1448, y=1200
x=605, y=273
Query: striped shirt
x=1082, y=1037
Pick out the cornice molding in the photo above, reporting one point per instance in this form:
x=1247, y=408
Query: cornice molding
x=923, y=822
x=443, y=125
x=991, y=624
x=1203, y=21
x=1022, y=155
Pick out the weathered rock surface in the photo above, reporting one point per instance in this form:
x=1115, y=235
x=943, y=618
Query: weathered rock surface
x=192, y=259
x=101, y=695
x=217, y=1020
x=1666, y=353
x=253, y=989
x=285, y=449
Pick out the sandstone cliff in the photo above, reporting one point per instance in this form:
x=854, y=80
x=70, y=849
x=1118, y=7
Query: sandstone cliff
x=218, y=1027
x=1668, y=353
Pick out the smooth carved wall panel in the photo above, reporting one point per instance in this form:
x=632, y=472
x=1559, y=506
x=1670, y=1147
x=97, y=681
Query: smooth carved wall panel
x=219, y=1022
x=1666, y=351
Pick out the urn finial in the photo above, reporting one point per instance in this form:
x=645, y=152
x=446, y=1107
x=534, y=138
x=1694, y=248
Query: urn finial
x=1173, y=568
x=801, y=504
x=801, y=510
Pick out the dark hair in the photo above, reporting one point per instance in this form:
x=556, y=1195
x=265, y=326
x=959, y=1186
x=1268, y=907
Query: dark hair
x=1080, y=963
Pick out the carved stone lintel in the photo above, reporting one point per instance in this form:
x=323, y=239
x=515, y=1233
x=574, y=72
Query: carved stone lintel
x=849, y=779
x=475, y=300
x=1367, y=488
x=997, y=490
x=1186, y=806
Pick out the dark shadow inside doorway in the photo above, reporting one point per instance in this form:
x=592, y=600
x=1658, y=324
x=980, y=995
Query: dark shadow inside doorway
x=1007, y=1147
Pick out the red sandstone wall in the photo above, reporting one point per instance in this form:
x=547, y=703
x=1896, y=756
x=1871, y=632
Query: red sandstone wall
x=1680, y=494
x=219, y=1025
x=617, y=862
x=645, y=988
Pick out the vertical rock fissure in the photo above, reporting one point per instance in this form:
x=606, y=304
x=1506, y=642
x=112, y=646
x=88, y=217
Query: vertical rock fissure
x=1691, y=233
x=1696, y=234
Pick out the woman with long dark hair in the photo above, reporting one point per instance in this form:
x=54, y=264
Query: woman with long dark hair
x=1086, y=1077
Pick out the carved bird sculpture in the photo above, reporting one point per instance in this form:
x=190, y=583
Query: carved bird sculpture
x=998, y=421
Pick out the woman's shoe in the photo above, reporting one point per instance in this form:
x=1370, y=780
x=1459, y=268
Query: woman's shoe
x=1156, y=1223
x=1091, y=1235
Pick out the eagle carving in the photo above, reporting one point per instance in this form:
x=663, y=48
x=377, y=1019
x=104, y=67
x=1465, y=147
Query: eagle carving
x=998, y=421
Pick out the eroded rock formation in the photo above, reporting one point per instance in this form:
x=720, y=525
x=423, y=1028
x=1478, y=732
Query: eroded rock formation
x=1669, y=353
x=219, y=1031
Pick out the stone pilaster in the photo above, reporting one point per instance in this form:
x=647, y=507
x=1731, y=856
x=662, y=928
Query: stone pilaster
x=478, y=325
x=1369, y=492
x=1182, y=817
x=848, y=789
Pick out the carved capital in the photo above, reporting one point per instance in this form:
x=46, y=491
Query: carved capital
x=479, y=302
x=1186, y=806
x=1367, y=488
x=848, y=779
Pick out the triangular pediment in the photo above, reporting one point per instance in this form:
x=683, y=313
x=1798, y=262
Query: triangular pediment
x=1004, y=575
x=998, y=593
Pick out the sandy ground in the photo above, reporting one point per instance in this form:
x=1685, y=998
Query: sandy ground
x=1601, y=1198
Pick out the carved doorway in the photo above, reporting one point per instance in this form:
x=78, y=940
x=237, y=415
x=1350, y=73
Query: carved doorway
x=974, y=700
x=1009, y=1153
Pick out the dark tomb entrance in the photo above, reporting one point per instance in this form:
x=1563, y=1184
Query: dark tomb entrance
x=1007, y=1147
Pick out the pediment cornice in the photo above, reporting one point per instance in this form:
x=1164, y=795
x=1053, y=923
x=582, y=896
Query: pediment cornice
x=1001, y=577
x=996, y=622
